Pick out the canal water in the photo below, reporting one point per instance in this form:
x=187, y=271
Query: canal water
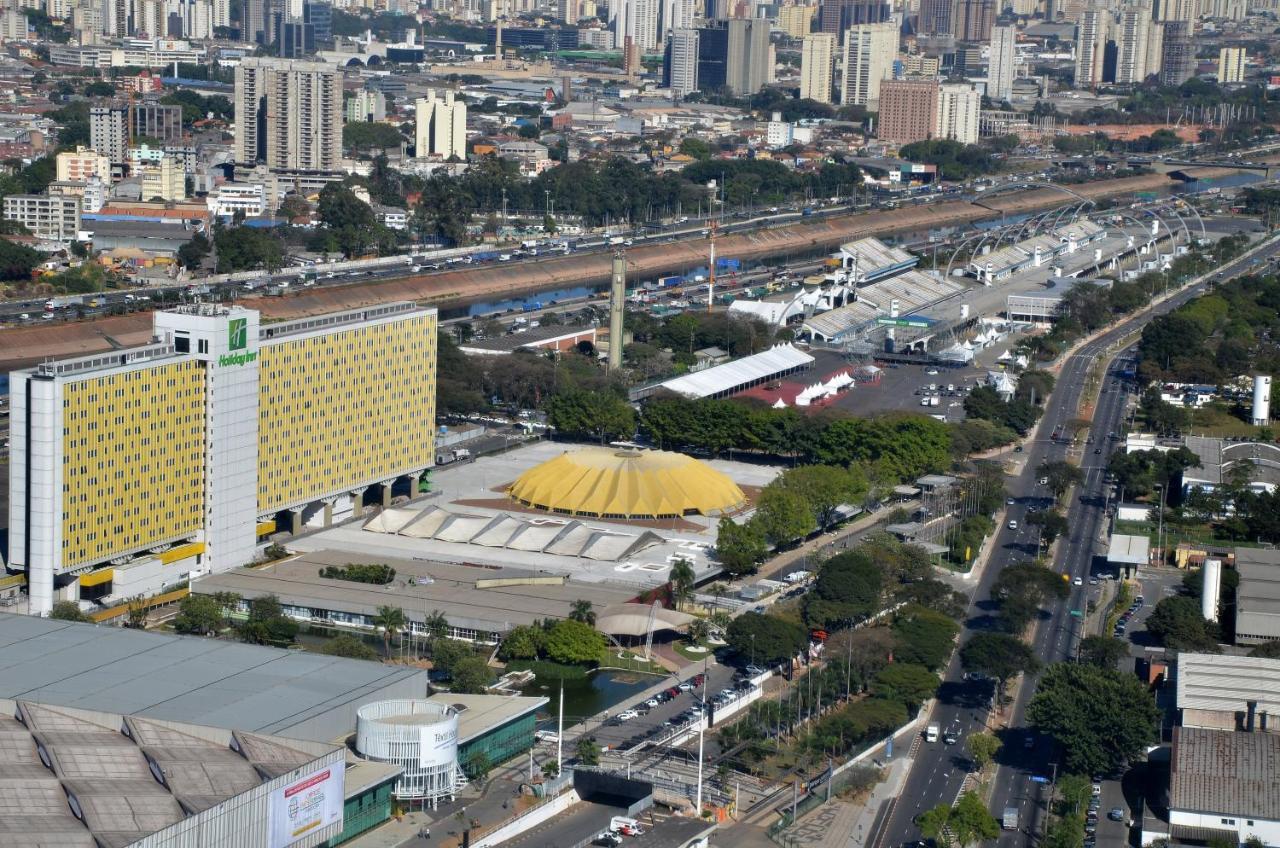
x=586, y=696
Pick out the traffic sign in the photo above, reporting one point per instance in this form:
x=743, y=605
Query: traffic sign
x=1077, y=613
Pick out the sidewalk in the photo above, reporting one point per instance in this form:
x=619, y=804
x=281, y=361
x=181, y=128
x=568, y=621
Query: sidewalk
x=847, y=824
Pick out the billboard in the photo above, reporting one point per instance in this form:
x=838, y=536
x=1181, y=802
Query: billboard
x=438, y=743
x=917, y=321
x=306, y=806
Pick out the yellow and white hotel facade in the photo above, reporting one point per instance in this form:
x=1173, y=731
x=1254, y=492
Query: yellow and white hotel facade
x=134, y=470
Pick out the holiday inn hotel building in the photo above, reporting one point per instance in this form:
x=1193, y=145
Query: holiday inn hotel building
x=132, y=470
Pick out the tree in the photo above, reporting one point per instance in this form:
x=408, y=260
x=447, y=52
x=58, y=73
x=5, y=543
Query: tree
x=863, y=652
x=348, y=217
x=368, y=135
x=967, y=822
x=740, y=546
x=1061, y=476
x=766, y=639
x=784, y=516
x=1052, y=523
x=1100, y=718
x=910, y=684
x=600, y=416
x=478, y=765
x=823, y=487
x=67, y=611
x=847, y=590
x=1102, y=651
x=199, y=614
x=573, y=643
x=1269, y=650
x=1021, y=590
x=17, y=261
x=346, y=645
x=583, y=612
x=470, y=675
x=1179, y=625
x=588, y=751
x=682, y=580
x=923, y=637
x=998, y=655
x=193, y=252
x=390, y=620
x=983, y=748
x=267, y=623
x=521, y=643
x=698, y=631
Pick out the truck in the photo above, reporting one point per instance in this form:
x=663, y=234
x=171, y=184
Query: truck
x=670, y=282
x=531, y=306
x=1009, y=821
x=931, y=733
x=62, y=302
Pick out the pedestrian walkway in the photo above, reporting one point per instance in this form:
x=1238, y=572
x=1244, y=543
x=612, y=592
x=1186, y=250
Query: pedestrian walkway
x=847, y=824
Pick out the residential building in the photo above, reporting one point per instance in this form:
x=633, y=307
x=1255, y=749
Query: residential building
x=973, y=19
x=817, y=57
x=1187, y=11
x=1178, y=54
x=1132, y=34
x=289, y=115
x=637, y=20
x=161, y=121
x=92, y=193
x=778, y=133
x=440, y=126
x=959, y=106
x=1091, y=46
x=676, y=14
x=836, y=16
x=734, y=54
x=366, y=106
x=249, y=199
x=1001, y=67
x=164, y=180
x=908, y=110
x=919, y=65
x=53, y=217
x=680, y=62
x=109, y=132
x=795, y=20
x=81, y=164
x=1155, y=48
x=132, y=470
x=14, y=25
x=934, y=17
x=1231, y=64
x=869, y=53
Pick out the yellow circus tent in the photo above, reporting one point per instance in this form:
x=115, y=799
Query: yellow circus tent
x=611, y=483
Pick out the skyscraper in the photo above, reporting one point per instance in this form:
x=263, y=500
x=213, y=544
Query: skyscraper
x=440, y=126
x=1178, y=10
x=817, y=55
x=934, y=18
x=1001, y=65
x=289, y=114
x=908, y=110
x=836, y=16
x=676, y=14
x=637, y=19
x=1091, y=46
x=734, y=54
x=1132, y=35
x=1178, y=58
x=972, y=19
x=680, y=63
x=1231, y=64
x=869, y=53
x=958, y=108
x=109, y=132
x=794, y=20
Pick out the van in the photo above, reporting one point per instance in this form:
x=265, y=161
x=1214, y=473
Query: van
x=931, y=733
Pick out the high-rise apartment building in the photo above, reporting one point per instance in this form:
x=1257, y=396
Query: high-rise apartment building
x=82, y=164
x=1178, y=57
x=959, y=107
x=1187, y=11
x=1091, y=46
x=972, y=19
x=440, y=126
x=734, y=54
x=366, y=105
x=919, y=65
x=869, y=51
x=1132, y=34
x=836, y=16
x=908, y=110
x=637, y=20
x=795, y=20
x=1001, y=63
x=817, y=57
x=161, y=121
x=676, y=14
x=680, y=62
x=1231, y=64
x=109, y=132
x=934, y=17
x=132, y=469
x=289, y=114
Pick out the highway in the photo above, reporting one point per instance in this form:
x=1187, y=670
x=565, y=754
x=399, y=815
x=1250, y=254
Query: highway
x=939, y=771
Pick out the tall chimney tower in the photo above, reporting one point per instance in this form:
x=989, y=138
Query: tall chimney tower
x=617, y=302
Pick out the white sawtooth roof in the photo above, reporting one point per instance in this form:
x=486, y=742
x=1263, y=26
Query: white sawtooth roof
x=752, y=369
x=1225, y=683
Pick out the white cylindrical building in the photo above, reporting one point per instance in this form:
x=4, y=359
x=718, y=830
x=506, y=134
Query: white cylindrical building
x=1261, y=400
x=1212, y=579
x=421, y=737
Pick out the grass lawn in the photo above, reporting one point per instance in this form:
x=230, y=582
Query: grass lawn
x=1216, y=421
x=1175, y=533
x=682, y=648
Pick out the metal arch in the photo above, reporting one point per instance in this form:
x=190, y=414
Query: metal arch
x=1204, y=231
x=1186, y=229
x=1172, y=206
x=960, y=247
x=1075, y=213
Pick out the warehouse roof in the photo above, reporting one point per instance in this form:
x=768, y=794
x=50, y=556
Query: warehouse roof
x=873, y=259
x=741, y=373
x=1225, y=772
x=1226, y=683
x=1258, y=595
x=188, y=678
x=480, y=714
x=1129, y=550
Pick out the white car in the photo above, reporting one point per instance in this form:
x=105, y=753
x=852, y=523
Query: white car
x=1013, y=525
x=627, y=715
x=1077, y=582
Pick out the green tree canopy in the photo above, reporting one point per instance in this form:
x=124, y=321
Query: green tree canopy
x=923, y=637
x=523, y=642
x=910, y=684
x=346, y=645
x=599, y=416
x=1103, y=651
x=998, y=655
x=767, y=638
x=1100, y=718
x=573, y=643
x=67, y=611
x=740, y=546
x=847, y=590
x=1179, y=625
x=199, y=614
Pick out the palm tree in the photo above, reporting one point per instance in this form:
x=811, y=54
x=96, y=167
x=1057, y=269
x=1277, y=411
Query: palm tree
x=437, y=625
x=699, y=630
x=389, y=620
x=583, y=612
x=682, y=580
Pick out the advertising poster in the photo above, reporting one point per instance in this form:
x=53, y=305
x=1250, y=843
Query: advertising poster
x=306, y=806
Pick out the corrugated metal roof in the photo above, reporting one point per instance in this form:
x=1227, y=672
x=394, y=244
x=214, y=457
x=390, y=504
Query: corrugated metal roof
x=1224, y=772
x=1130, y=550
x=1226, y=683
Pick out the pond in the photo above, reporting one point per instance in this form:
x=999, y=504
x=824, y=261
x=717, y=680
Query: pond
x=586, y=696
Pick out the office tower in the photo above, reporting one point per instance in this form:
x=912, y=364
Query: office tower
x=1001, y=67
x=637, y=19
x=680, y=62
x=734, y=54
x=289, y=114
x=297, y=39
x=676, y=14
x=817, y=55
x=934, y=17
x=795, y=20
x=253, y=21
x=1132, y=34
x=440, y=127
x=869, y=51
x=1091, y=44
x=972, y=19
x=1178, y=58
x=320, y=16
x=109, y=132
x=958, y=108
x=1231, y=64
x=220, y=14
x=836, y=16
x=366, y=105
x=132, y=470
x=908, y=110
x=161, y=121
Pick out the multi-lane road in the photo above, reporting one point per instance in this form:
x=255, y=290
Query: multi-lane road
x=939, y=771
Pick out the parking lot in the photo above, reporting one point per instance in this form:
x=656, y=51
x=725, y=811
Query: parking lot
x=656, y=722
